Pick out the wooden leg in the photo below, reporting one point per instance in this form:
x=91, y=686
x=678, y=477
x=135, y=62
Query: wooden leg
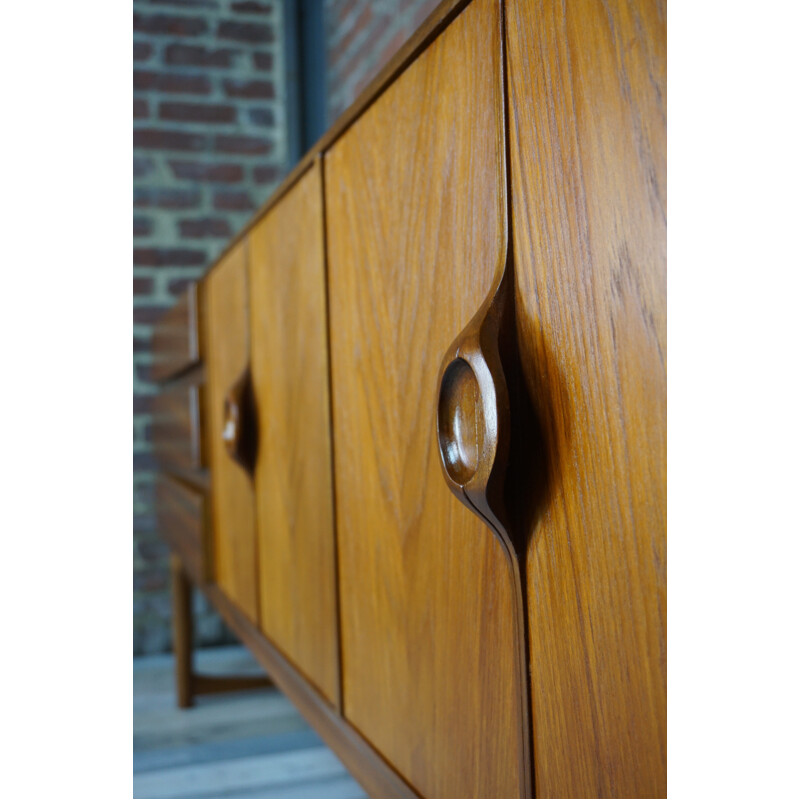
x=182, y=632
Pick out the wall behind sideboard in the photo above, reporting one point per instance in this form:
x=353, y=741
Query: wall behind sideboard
x=209, y=146
x=361, y=36
x=210, y=143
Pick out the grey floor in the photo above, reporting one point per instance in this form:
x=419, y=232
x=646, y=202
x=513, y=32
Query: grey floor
x=248, y=744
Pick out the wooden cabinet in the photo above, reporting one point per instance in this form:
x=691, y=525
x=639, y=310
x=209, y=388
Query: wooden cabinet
x=176, y=339
x=180, y=490
x=428, y=481
x=226, y=348
x=416, y=208
x=294, y=492
x=183, y=523
x=176, y=427
x=587, y=101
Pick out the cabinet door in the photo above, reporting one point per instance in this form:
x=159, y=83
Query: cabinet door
x=226, y=348
x=587, y=105
x=294, y=495
x=415, y=205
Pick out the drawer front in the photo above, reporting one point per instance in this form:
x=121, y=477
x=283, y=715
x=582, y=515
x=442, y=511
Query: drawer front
x=294, y=492
x=182, y=523
x=431, y=632
x=176, y=344
x=226, y=358
x=176, y=428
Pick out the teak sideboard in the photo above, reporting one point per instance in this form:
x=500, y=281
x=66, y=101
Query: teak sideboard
x=413, y=421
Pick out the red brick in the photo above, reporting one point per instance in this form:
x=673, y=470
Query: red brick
x=142, y=226
x=359, y=24
x=204, y=227
x=149, y=581
x=146, y=197
x=145, y=523
x=196, y=171
x=143, y=370
x=248, y=145
x=424, y=10
x=142, y=166
x=262, y=90
x=192, y=55
x=233, y=201
x=142, y=403
x=262, y=116
x=250, y=7
x=389, y=49
x=178, y=286
x=266, y=174
x=362, y=54
x=168, y=257
x=140, y=109
x=144, y=461
x=156, y=139
x=147, y=315
x=141, y=428
x=197, y=112
x=140, y=345
x=343, y=10
x=377, y=60
x=170, y=25
x=153, y=550
x=247, y=32
x=142, y=51
x=263, y=60
x=142, y=285
x=170, y=82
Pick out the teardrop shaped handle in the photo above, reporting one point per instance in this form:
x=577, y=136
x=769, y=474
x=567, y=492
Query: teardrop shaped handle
x=239, y=422
x=473, y=416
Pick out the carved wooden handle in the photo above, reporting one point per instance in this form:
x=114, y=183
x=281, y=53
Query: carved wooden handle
x=473, y=424
x=473, y=417
x=239, y=428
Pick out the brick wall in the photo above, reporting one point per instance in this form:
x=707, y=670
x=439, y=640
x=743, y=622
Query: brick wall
x=209, y=145
x=361, y=36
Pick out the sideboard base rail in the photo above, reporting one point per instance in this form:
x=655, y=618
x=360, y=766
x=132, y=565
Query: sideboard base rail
x=365, y=764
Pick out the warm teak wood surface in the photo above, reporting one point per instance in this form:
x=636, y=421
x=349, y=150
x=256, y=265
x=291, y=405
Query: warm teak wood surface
x=416, y=229
x=588, y=166
x=372, y=772
x=175, y=337
x=183, y=524
x=176, y=427
x=294, y=494
x=433, y=697
x=226, y=355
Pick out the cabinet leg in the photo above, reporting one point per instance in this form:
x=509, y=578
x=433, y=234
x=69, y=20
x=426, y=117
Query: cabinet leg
x=182, y=632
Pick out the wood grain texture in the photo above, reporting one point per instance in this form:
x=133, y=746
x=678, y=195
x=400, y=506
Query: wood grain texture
x=176, y=427
x=439, y=19
x=587, y=98
x=416, y=228
x=182, y=523
x=294, y=492
x=357, y=754
x=175, y=338
x=226, y=354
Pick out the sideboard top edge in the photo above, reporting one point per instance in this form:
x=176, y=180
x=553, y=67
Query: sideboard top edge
x=433, y=25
